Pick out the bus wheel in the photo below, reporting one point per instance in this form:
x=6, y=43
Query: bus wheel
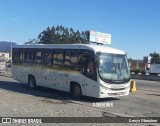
x=76, y=91
x=32, y=82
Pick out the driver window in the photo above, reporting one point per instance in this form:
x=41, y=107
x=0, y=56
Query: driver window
x=90, y=67
x=87, y=61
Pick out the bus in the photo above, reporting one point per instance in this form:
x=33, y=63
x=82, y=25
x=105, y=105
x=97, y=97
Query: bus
x=82, y=69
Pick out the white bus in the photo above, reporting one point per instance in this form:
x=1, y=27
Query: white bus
x=81, y=69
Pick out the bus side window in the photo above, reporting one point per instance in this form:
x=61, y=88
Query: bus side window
x=15, y=55
x=67, y=59
x=60, y=57
x=30, y=55
x=38, y=56
x=82, y=60
x=47, y=57
x=22, y=55
x=54, y=57
x=74, y=58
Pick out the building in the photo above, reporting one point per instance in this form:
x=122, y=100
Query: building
x=137, y=65
x=2, y=66
x=4, y=56
x=4, y=61
x=140, y=65
x=147, y=61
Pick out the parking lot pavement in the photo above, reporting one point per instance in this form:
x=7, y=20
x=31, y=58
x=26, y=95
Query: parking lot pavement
x=6, y=74
x=18, y=100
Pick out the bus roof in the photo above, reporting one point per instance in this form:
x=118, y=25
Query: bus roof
x=95, y=48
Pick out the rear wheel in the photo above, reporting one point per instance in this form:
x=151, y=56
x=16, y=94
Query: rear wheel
x=32, y=82
x=76, y=91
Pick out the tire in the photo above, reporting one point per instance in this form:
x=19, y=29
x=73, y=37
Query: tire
x=32, y=82
x=76, y=91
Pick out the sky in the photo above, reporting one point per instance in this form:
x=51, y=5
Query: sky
x=133, y=24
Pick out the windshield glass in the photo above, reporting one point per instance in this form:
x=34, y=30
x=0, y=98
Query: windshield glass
x=113, y=68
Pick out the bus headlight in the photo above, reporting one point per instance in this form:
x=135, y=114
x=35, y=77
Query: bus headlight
x=128, y=87
x=103, y=87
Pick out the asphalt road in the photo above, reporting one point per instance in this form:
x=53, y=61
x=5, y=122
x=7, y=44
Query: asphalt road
x=148, y=85
x=142, y=103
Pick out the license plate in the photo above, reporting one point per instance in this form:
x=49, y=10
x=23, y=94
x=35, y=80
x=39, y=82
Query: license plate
x=118, y=93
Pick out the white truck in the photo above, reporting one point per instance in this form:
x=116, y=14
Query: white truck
x=154, y=69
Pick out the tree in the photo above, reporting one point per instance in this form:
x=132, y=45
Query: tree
x=155, y=58
x=61, y=35
x=130, y=59
x=45, y=37
x=32, y=42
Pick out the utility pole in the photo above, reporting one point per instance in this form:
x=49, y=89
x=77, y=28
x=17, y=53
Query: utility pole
x=10, y=30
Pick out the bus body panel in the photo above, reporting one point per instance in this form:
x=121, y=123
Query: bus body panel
x=60, y=77
x=112, y=90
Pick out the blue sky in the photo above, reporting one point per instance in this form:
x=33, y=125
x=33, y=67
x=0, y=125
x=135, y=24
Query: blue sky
x=133, y=24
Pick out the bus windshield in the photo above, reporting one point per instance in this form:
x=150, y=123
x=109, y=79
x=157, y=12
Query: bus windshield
x=113, y=68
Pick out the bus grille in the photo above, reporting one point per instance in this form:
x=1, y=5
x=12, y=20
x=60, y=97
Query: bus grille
x=117, y=89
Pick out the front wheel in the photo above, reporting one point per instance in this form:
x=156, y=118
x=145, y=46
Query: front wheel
x=76, y=91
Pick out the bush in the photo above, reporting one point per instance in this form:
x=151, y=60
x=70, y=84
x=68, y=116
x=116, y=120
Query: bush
x=137, y=71
x=132, y=71
x=143, y=72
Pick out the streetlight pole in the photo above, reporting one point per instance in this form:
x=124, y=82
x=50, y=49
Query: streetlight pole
x=11, y=42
